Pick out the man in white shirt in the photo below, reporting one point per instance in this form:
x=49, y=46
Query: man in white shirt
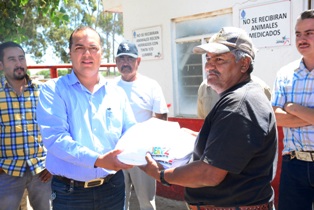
x=147, y=100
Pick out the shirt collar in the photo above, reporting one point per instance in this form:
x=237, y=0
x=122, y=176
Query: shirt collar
x=301, y=71
x=5, y=84
x=74, y=80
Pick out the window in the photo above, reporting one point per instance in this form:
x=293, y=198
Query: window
x=188, y=67
x=190, y=76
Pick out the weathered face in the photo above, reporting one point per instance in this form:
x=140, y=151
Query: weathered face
x=304, y=31
x=223, y=71
x=127, y=67
x=14, y=64
x=85, y=53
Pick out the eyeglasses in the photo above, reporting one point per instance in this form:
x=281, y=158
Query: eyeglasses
x=126, y=59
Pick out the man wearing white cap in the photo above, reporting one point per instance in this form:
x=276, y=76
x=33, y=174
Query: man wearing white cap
x=234, y=154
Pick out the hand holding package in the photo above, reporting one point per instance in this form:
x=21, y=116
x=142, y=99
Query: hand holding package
x=165, y=140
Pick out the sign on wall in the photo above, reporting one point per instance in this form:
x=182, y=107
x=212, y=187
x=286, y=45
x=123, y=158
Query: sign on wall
x=267, y=25
x=148, y=42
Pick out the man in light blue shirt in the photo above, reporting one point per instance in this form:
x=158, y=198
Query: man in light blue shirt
x=81, y=119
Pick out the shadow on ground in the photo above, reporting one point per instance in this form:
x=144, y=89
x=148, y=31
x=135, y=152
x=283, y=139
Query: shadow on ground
x=161, y=203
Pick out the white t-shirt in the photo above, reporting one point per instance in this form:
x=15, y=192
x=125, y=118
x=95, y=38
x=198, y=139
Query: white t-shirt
x=145, y=96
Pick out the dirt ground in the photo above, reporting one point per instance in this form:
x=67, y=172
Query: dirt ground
x=161, y=203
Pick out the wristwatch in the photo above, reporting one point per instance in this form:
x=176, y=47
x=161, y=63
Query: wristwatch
x=162, y=179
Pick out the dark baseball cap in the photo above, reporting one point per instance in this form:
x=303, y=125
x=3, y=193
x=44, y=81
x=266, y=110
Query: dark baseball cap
x=127, y=48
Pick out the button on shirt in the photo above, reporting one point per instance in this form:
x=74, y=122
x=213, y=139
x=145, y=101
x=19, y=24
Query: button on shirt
x=295, y=84
x=77, y=126
x=20, y=140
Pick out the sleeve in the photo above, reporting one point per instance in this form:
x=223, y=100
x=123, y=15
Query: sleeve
x=200, y=105
x=52, y=118
x=278, y=93
x=159, y=104
x=232, y=142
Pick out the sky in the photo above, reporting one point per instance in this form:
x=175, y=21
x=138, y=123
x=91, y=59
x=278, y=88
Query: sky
x=50, y=59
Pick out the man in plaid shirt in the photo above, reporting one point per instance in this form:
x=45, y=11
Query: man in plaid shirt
x=22, y=154
x=293, y=102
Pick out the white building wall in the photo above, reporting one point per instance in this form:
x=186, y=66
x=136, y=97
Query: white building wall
x=139, y=14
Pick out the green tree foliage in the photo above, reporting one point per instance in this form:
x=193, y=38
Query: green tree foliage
x=46, y=73
x=14, y=17
x=42, y=26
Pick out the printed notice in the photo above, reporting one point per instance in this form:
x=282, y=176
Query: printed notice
x=267, y=25
x=148, y=42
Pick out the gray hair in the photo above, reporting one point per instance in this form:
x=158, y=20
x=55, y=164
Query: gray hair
x=239, y=54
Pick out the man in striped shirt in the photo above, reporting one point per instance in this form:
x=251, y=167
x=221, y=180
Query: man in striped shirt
x=293, y=103
x=22, y=154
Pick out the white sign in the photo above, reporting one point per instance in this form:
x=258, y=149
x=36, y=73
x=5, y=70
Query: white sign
x=148, y=42
x=267, y=25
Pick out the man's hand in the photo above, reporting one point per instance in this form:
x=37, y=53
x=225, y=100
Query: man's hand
x=45, y=175
x=189, y=131
x=111, y=162
x=152, y=168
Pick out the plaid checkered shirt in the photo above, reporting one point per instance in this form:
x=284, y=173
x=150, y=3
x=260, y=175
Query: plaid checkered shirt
x=20, y=139
x=295, y=83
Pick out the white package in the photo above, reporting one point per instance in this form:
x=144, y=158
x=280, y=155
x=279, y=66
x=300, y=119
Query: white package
x=165, y=140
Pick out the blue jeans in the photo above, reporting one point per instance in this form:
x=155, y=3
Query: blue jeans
x=12, y=189
x=109, y=196
x=296, y=189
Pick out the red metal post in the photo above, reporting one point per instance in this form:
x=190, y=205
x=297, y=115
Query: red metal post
x=53, y=72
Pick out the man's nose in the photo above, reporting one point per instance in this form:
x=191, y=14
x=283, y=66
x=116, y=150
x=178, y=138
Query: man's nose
x=301, y=37
x=86, y=51
x=209, y=66
x=18, y=63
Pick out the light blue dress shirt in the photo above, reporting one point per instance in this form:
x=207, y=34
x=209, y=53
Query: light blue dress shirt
x=77, y=126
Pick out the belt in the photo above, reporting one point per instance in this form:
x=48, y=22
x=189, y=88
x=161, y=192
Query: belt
x=304, y=156
x=91, y=183
x=265, y=206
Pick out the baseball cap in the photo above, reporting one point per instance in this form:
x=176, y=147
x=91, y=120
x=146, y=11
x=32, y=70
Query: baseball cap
x=127, y=48
x=227, y=39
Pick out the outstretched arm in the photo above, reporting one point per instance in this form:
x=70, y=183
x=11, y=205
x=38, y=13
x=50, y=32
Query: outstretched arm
x=196, y=174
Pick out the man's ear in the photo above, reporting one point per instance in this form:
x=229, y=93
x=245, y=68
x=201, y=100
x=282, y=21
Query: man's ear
x=1, y=66
x=245, y=64
x=139, y=59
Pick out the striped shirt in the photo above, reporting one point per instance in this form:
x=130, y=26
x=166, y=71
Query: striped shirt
x=295, y=83
x=20, y=139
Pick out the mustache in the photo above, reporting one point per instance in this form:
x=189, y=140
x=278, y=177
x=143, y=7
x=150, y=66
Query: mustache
x=126, y=67
x=19, y=68
x=303, y=44
x=214, y=71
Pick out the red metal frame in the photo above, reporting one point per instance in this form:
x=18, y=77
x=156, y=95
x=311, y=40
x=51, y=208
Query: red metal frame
x=54, y=68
